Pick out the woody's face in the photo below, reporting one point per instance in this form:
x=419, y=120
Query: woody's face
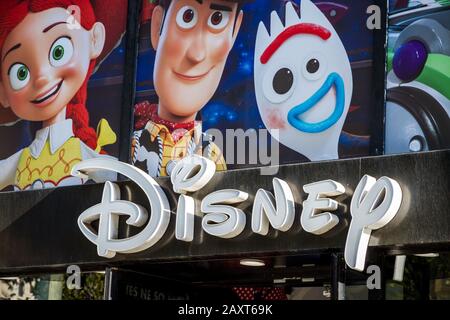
x=191, y=51
x=44, y=63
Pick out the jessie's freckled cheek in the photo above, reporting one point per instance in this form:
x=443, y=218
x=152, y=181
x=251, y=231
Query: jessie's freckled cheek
x=273, y=119
x=71, y=71
x=19, y=98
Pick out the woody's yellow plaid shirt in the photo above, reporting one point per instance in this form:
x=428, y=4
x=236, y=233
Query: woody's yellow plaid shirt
x=169, y=149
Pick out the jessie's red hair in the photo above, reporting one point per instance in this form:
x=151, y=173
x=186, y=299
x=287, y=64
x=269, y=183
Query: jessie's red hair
x=13, y=12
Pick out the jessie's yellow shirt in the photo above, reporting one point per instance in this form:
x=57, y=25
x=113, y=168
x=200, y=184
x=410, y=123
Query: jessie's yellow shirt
x=49, y=169
x=49, y=160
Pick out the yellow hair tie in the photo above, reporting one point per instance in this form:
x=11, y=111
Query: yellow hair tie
x=105, y=134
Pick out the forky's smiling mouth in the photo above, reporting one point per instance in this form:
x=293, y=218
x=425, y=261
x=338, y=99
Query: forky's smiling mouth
x=189, y=77
x=49, y=95
x=333, y=80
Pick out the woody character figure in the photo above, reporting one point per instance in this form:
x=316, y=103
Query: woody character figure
x=48, y=52
x=192, y=39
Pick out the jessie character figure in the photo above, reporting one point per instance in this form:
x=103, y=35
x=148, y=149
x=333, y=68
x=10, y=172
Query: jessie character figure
x=46, y=60
x=192, y=39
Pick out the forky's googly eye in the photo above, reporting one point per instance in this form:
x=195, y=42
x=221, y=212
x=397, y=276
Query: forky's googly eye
x=279, y=83
x=314, y=66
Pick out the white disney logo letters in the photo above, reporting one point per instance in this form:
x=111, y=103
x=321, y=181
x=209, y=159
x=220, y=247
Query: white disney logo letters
x=374, y=204
x=110, y=208
x=280, y=217
x=367, y=216
x=320, y=223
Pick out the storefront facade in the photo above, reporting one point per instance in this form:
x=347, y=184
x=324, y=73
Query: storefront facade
x=253, y=150
x=214, y=261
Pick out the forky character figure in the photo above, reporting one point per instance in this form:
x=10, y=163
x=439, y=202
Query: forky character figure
x=303, y=81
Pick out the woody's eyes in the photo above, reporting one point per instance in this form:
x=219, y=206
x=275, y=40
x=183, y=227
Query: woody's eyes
x=187, y=17
x=218, y=19
x=19, y=76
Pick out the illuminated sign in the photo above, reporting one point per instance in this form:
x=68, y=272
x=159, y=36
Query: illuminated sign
x=374, y=204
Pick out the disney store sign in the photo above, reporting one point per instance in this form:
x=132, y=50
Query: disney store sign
x=373, y=205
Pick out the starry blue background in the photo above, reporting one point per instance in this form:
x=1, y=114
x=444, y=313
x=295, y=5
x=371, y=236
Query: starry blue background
x=234, y=104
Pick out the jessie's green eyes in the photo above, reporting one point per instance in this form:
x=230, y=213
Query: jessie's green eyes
x=19, y=76
x=61, y=52
x=58, y=53
x=22, y=73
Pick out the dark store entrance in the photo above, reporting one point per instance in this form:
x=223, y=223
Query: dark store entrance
x=424, y=276
x=307, y=277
